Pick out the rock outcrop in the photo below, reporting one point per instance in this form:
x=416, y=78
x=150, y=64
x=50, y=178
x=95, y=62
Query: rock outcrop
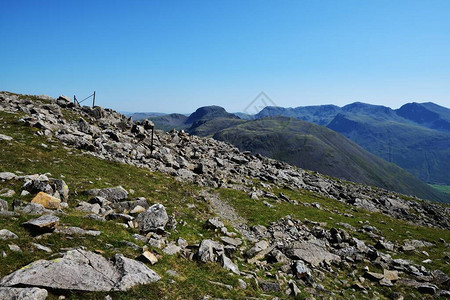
x=83, y=271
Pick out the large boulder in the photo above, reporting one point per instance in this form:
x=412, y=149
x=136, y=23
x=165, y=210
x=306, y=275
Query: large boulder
x=7, y=176
x=311, y=253
x=132, y=273
x=228, y=264
x=153, y=219
x=46, y=200
x=38, y=185
x=209, y=251
x=60, y=188
x=114, y=194
x=82, y=271
x=45, y=223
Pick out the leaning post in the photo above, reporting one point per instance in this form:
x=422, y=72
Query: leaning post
x=151, y=142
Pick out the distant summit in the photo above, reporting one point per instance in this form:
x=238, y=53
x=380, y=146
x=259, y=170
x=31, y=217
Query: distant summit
x=206, y=113
x=427, y=114
x=321, y=114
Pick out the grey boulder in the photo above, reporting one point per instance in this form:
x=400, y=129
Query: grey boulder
x=7, y=176
x=3, y=205
x=229, y=265
x=34, y=209
x=8, y=293
x=45, y=223
x=82, y=271
x=153, y=219
x=5, y=234
x=209, y=250
x=114, y=194
x=311, y=253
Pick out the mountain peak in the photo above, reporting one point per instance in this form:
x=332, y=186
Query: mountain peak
x=208, y=113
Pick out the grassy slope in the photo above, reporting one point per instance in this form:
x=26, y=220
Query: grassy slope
x=209, y=128
x=317, y=148
x=25, y=154
x=442, y=188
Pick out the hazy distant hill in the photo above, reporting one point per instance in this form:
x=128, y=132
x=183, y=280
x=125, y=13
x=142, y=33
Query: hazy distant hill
x=402, y=136
x=422, y=151
x=138, y=116
x=169, y=122
x=427, y=114
x=208, y=113
x=194, y=122
x=244, y=116
x=322, y=114
x=318, y=148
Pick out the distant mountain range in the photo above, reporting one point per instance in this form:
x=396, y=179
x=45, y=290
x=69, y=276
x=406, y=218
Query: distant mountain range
x=384, y=141
x=416, y=136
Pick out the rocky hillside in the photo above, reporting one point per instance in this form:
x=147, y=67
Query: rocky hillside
x=89, y=210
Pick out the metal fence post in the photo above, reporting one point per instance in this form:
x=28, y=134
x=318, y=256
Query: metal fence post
x=93, y=101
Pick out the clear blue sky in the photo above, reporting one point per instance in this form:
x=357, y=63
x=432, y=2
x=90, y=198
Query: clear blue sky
x=174, y=56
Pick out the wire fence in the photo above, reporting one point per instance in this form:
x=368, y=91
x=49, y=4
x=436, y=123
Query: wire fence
x=90, y=96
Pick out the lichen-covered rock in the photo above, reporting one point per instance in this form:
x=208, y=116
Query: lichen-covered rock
x=46, y=200
x=132, y=273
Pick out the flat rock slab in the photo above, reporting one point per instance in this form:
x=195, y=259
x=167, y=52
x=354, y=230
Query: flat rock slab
x=268, y=286
x=114, y=194
x=45, y=223
x=311, y=253
x=8, y=293
x=7, y=176
x=35, y=209
x=374, y=276
x=82, y=271
x=70, y=230
x=5, y=137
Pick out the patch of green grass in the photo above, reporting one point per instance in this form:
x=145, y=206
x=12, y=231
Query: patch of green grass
x=442, y=188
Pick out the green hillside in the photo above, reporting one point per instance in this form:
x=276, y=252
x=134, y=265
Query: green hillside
x=423, y=152
x=317, y=148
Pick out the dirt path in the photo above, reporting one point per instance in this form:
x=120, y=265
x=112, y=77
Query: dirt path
x=226, y=212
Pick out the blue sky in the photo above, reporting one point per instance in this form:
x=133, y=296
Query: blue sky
x=174, y=56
